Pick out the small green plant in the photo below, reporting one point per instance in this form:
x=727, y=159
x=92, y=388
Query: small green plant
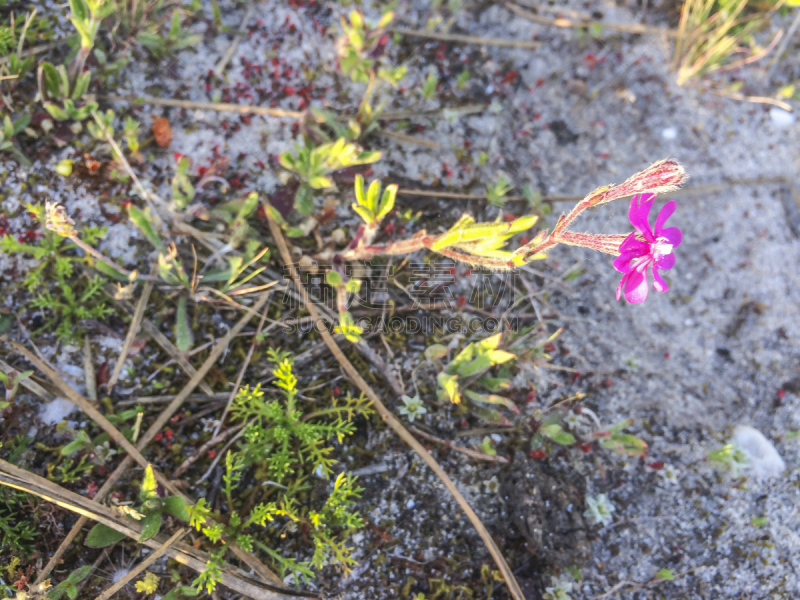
x=11, y=383
x=729, y=458
x=711, y=32
x=284, y=447
x=9, y=132
x=621, y=443
x=357, y=45
x=68, y=300
x=599, y=509
x=150, y=513
x=429, y=85
x=18, y=522
x=175, y=39
x=468, y=369
x=69, y=587
x=496, y=192
x=314, y=164
x=86, y=18
x=55, y=83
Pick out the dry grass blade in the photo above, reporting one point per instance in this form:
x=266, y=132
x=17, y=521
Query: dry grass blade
x=569, y=23
x=136, y=322
x=142, y=566
x=243, y=109
x=162, y=340
x=465, y=39
x=232, y=578
x=392, y=421
x=239, y=377
x=88, y=370
x=197, y=454
x=709, y=34
x=220, y=68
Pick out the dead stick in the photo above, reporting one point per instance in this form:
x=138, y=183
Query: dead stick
x=142, y=566
x=392, y=421
x=215, y=106
x=465, y=39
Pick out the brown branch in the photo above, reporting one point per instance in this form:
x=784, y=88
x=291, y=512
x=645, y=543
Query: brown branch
x=392, y=421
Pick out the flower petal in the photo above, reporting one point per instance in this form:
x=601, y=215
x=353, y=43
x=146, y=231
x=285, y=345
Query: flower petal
x=659, y=284
x=673, y=235
x=666, y=262
x=623, y=262
x=622, y=283
x=632, y=244
x=664, y=214
x=636, y=287
x=638, y=214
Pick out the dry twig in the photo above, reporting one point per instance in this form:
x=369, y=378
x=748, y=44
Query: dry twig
x=136, y=322
x=476, y=454
x=465, y=39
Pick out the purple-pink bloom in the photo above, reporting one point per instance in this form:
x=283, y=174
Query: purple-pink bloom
x=645, y=247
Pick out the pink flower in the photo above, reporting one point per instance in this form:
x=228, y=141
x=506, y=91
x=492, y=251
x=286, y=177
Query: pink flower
x=645, y=247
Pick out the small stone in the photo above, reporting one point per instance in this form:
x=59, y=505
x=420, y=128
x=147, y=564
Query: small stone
x=669, y=133
x=762, y=457
x=780, y=117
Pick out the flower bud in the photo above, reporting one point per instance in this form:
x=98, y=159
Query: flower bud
x=660, y=177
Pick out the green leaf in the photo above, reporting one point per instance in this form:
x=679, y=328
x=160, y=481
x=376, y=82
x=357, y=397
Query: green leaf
x=142, y=220
x=295, y=232
x=373, y=191
x=563, y=438
x=387, y=201
x=81, y=85
x=333, y=278
x=177, y=507
x=759, y=521
x=52, y=81
x=359, y=190
x=304, y=200
x=666, y=575
x=491, y=399
x=56, y=112
x=320, y=182
x=110, y=272
x=183, y=333
x=151, y=525
x=449, y=385
x=102, y=535
x=79, y=574
x=149, y=486
x=436, y=351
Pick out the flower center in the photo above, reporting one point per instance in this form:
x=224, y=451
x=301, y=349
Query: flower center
x=661, y=247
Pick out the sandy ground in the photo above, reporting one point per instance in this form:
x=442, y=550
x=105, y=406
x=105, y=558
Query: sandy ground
x=719, y=350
